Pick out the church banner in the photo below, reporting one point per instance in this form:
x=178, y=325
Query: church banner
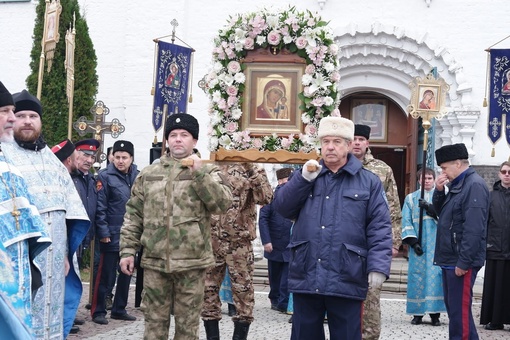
x=171, y=81
x=499, y=99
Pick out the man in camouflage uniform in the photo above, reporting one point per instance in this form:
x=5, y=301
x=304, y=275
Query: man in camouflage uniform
x=169, y=215
x=232, y=234
x=372, y=307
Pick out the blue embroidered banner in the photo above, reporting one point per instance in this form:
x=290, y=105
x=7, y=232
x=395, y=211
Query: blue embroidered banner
x=499, y=99
x=172, y=76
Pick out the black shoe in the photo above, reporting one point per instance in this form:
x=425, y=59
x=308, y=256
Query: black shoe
x=79, y=322
x=290, y=320
x=278, y=309
x=74, y=329
x=417, y=320
x=88, y=306
x=125, y=317
x=434, y=318
x=100, y=319
x=494, y=326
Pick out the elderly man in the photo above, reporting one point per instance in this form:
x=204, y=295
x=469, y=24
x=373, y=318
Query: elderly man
x=341, y=239
x=60, y=207
x=169, y=215
x=23, y=236
x=360, y=149
x=461, y=235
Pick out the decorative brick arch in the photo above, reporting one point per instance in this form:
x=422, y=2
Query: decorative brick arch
x=385, y=58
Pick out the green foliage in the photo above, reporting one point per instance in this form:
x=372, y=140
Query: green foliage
x=53, y=95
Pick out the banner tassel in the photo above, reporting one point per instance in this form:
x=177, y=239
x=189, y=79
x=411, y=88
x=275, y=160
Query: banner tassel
x=493, y=152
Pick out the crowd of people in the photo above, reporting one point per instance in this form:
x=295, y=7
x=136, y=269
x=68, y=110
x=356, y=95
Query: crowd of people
x=329, y=232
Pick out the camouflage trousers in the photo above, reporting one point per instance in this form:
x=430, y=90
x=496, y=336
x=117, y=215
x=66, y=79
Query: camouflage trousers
x=181, y=292
x=238, y=256
x=371, y=327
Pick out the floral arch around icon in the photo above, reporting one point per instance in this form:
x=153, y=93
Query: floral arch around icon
x=289, y=52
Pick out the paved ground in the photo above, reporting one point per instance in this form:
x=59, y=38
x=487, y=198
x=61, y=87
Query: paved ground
x=271, y=325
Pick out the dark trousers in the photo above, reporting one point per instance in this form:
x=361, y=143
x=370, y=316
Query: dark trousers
x=458, y=297
x=344, y=317
x=278, y=277
x=107, y=272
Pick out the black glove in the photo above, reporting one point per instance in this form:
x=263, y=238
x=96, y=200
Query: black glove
x=417, y=249
x=428, y=207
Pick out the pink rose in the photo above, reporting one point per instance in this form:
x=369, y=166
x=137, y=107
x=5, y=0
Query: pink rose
x=249, y=43
x=286, y=142
x=336, y=113
x=234, y=67
x=257, y=143
x=222, y=104
x=231, y=127
x=231, y=101
x=310, y=130
x=310, y=69
x=301, y=42
x=273, y=38
x=232, y=91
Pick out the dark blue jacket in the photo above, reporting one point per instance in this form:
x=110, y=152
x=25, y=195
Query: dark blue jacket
x=86, y=187
x=462, y=224
x=113, y=194
x=498, y=227
x=275, y=229
x=342, y=230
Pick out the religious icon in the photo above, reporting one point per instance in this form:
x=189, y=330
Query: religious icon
x=274, y=102
x=173, y=78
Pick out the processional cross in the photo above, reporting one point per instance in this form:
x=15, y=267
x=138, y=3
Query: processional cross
x=99, y=126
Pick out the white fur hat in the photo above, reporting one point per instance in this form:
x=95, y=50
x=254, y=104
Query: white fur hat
x=336, y=126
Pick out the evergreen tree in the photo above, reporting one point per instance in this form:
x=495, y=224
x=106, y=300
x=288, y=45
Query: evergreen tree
x=53, y=95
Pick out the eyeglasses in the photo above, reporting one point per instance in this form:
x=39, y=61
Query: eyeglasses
x=504, y=172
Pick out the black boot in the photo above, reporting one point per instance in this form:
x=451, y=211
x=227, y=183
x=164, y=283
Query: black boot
x=212, y=329
x=434, y=317
x=240, y=330
x=232, y=309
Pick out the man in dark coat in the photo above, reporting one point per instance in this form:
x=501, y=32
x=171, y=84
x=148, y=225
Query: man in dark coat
x=495, y=312
x=341, y=240
x=461, y=234
x=114, y=190
x=275, y=235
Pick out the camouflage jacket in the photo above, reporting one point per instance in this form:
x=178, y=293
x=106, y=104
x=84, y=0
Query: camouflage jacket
x=250, y=186
x=169, y=215
x=385, y=173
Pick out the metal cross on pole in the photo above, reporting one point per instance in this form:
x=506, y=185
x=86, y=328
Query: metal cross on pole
x=99, y=126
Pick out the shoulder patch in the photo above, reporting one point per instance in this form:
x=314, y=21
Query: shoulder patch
x=99, y=185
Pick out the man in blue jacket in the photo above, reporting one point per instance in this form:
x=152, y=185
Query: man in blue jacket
x=461, y=235
x=275, y=236
x=114, y=190
x=341, y=240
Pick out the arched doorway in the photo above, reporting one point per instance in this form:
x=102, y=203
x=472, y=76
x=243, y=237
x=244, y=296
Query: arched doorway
x=382, y=60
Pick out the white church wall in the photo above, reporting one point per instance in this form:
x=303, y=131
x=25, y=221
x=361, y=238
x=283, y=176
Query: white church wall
x=122, y=33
